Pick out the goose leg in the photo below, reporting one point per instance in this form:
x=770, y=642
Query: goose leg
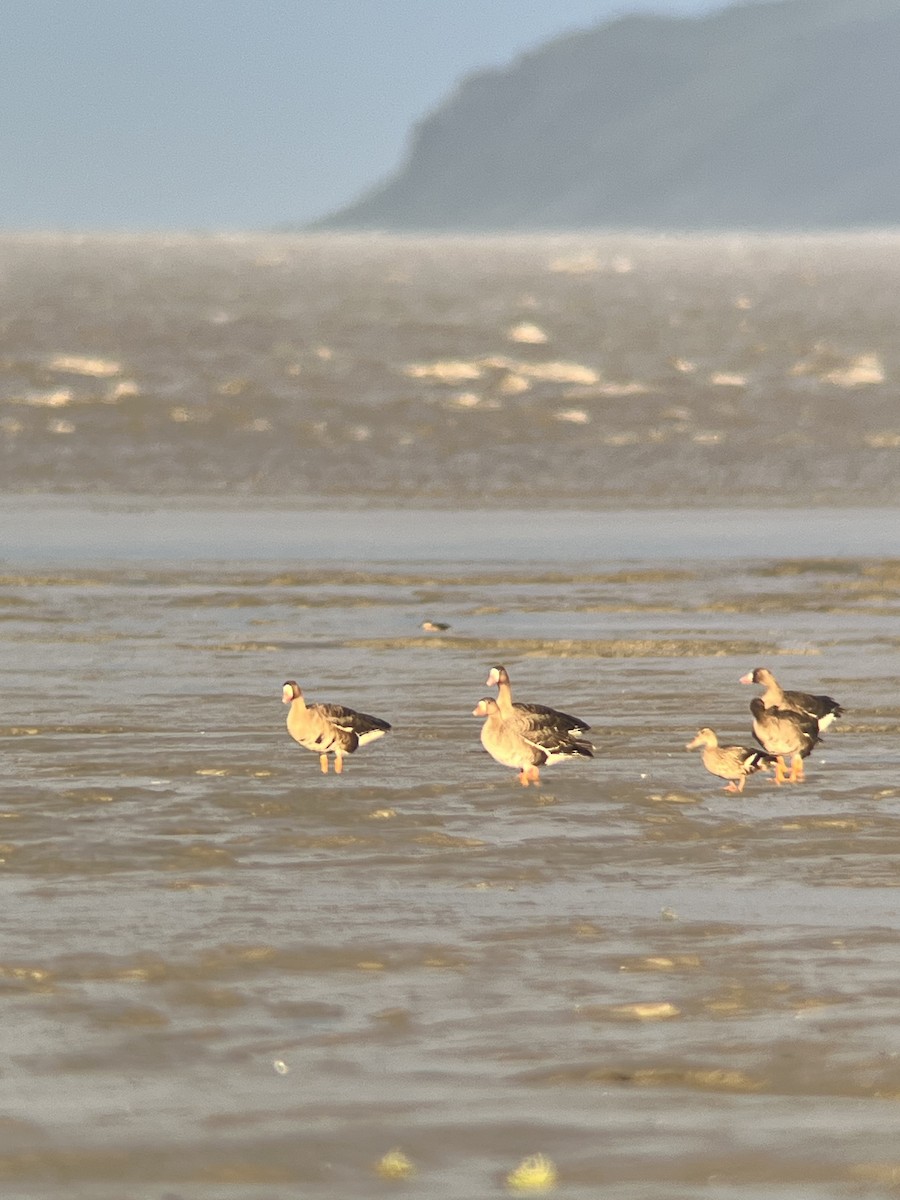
x=338, y=764
x=523, y=777
x=797, y=772
x=534, y=775
x=323, y=763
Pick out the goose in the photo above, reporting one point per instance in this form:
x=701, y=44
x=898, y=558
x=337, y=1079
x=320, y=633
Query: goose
x=328, y=728
x=733, y=763
x=533, y=741
x=782, y=732
x=521, y=715
x=823, y=708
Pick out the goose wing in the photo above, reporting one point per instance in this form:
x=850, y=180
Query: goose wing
x=550, y=732
x=352, y=728
x=543, y=712
x=824, y=709
x=740, y=760
x=784, y=731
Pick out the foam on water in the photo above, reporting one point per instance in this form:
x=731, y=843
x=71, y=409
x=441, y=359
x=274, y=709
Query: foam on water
x=345, y=366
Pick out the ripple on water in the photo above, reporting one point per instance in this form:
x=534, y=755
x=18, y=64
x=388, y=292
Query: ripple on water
x=627, y=970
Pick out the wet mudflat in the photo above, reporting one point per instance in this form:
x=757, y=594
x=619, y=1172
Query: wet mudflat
x=225, y=975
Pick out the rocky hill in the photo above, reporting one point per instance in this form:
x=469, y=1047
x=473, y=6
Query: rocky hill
x=764, y=115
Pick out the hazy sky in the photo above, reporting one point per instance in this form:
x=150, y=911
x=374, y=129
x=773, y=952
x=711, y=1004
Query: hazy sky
x=226, y=114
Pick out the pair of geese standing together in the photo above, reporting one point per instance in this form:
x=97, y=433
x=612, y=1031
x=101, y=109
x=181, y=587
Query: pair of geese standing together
x=524, y=736
x=786, y=724
x=529, y=736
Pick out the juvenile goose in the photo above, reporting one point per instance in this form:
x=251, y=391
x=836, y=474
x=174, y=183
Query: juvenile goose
x=532, y=742
x=781, y=731
x=328, y=728
x=522, y=714
x=734, y=763
x=823, y=708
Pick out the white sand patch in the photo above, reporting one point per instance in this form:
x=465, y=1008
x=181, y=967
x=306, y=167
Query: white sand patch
x=78, y=364
x=123, y=390
x=450, y=371
x=513, y=385
x=864, y=369
x=57, y=399
x=608, y=391
x=527, y=333
x=559, y=372
x=727, y=379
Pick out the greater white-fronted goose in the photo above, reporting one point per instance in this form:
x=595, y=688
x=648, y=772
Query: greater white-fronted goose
x=522, y=714
x=329, y=728
x=782, y=732
x=823, y=708
x=533, y=741
x=734, y=763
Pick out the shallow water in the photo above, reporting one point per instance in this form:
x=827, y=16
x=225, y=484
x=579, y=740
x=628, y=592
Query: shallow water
x=595, y=370
x=228, y=977
x=629, y=468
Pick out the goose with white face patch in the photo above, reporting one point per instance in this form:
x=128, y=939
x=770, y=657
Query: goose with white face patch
x=823, y=709
x=530, y=742
x=522, y=715
x=329, y=728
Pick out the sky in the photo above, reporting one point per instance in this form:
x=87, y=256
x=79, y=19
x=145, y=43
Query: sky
x=237, y=114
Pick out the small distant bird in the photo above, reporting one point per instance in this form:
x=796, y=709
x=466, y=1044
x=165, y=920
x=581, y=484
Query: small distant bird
x=822, y=708
x=734, y=763
x=529, y=743
x=783, y=732
x=522, y=714
x=434, y=626
x=329, y=728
